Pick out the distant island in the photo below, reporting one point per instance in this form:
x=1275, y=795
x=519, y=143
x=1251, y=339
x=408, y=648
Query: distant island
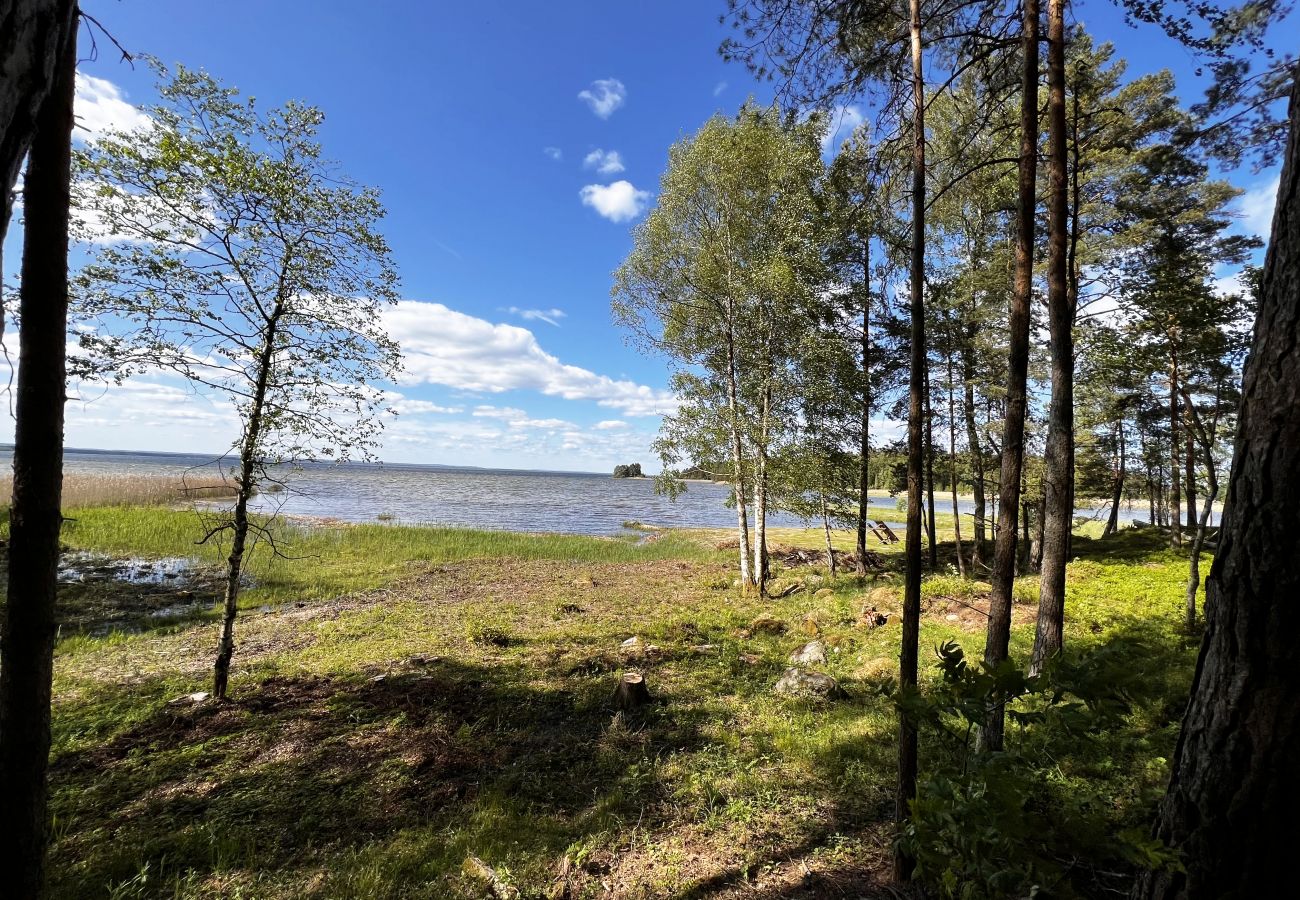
x=632, y=470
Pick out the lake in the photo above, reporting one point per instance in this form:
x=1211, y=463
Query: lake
x=508, y=499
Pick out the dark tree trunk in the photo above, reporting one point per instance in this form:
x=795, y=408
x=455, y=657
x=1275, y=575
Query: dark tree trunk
x=1117, y=496
x=952, y=471
x=1189, y=458
x=1230, y=810
x=28, y=630
x=1175, y=511
x=1013, y=430
x=32, y=34
x=929, y=473
x=1058, y=472
x=977, y=459
x=911, y=624
x=864, y=449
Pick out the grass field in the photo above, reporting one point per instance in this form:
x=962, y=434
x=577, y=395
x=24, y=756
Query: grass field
x=406, y=698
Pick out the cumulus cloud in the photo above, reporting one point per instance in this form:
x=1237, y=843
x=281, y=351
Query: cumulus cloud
x=554, y=153
x=442, y=346
x=604, y=96
x=606, y=162
x=101, y=106
x=840, y=124
x=618, y=202
x=518, y=418
x=550, y=316
x=610, y=424
x=1256, y=207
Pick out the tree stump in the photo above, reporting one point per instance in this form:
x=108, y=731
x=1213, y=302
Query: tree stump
x=631, y=691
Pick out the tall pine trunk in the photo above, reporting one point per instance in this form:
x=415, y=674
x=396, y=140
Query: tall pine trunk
x=976, y=451
x=1013, y=429
x=1058, y=474
x=952, y=472
x=1189, y=472
x=1230, y=810
x=1175, y=509
x=864, y=448
x=27, y=632
x=932, y=546
x=908, y=650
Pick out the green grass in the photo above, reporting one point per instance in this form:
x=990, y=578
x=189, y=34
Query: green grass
x=316, y=562
x=490, y=732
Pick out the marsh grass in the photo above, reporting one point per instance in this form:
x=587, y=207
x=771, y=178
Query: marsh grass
x=438, y=693
x=85, y=489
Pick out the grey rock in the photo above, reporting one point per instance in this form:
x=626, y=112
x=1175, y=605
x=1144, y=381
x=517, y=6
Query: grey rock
x=798, y=682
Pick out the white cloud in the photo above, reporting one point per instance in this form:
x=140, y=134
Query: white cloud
x=554, y=153
x=518, y=418
x=101, y=106
x=840, y=124
x=604, y=96
x=410, y=406
x=618, y=202
x=606, y=162
x=1256, y=207
x=719, y=88
x=442, y=346
x=549, y=316
x=610, y=424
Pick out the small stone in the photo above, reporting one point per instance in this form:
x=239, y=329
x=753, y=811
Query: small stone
x=379, y=679
x=704, y=648
x=801, y=682
x=953, y=617
x=767, y=625
x=195, y=698
x=811, y=653
x=824, y=593
x=631, y=645
x=808, y=625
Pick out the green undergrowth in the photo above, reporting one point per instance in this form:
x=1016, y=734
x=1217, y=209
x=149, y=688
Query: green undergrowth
x=417, y=696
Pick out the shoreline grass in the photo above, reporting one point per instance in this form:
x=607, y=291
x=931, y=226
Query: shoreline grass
x=432, y=694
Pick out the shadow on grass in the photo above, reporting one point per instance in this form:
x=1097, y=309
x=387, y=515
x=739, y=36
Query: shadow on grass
x=300, y=766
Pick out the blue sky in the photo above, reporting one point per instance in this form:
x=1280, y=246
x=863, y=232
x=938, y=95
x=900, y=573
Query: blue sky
x=516, y=144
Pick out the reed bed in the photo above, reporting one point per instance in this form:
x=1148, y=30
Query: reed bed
x=82, y=490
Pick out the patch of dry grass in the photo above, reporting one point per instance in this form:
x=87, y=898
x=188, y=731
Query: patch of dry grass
x=81, y=490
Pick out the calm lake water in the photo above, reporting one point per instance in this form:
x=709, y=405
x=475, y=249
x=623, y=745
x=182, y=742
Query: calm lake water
x=483, y=498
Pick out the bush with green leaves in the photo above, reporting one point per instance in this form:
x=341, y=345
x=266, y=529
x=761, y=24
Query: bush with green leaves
x=996, y=825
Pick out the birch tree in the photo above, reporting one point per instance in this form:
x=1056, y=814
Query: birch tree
x=234, y=255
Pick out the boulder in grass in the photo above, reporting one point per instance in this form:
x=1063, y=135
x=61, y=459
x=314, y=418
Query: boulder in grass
x=798, y=682
x=766, y=624
x=810, y=654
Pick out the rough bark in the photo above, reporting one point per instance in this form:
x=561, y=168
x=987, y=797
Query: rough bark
x=32, y=34
x=1235, y=786
x=1013, y=429
x=908, y=651
x=864, y=449
x=932, y=546
x=952, y=473
x=1058, y=473
x=631, y=692
x=1175, y=489
x=27, y=632
x=977, y=458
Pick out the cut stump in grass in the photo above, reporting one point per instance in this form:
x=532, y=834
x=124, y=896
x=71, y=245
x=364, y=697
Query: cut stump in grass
x=631, y=692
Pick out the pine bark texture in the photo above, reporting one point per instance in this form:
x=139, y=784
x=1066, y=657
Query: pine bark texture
x=1058, y=474
x=1013, y=428
x=28, y=631
x=32, y=33
x=1230, y=810
x=911, y=625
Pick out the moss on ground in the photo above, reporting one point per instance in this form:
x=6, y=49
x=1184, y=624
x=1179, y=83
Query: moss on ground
x=404, y=698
